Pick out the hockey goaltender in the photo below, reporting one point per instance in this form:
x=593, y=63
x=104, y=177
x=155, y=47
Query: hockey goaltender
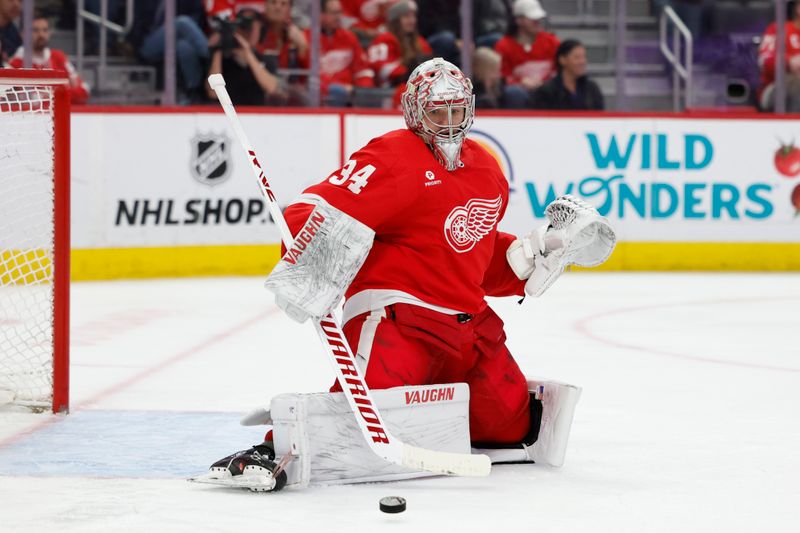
x=407, y=232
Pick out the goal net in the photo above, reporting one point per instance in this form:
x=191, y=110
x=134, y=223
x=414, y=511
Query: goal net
x=34, y=239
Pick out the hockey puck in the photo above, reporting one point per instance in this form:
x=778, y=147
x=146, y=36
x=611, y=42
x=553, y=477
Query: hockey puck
x=392, y=504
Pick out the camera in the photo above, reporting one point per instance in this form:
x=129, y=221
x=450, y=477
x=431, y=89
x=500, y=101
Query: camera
x=227, y=28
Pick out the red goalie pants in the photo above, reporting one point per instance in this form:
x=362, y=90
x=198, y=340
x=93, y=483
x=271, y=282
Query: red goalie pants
x=410, y=345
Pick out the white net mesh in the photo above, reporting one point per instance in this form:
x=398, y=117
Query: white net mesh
x=26, y=244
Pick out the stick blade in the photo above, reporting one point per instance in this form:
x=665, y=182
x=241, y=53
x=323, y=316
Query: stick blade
x=451, y=464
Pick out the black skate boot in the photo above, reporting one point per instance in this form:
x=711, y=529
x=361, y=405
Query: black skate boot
x=253, y=469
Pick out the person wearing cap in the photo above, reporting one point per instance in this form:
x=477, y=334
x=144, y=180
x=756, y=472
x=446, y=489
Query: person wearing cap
x=571, y=88
x=395, y=53
x=528, y=52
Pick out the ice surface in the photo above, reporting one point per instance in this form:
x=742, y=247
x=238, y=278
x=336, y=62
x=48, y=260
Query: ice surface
x=688, y=420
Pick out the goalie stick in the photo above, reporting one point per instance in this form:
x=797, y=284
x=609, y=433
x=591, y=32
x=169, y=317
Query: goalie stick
x=358, y=395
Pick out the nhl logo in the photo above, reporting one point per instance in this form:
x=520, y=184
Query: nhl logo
x=210, y=165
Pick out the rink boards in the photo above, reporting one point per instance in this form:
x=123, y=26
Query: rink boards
x=169, y=193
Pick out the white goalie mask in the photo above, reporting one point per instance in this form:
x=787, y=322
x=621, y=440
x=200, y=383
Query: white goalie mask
x=436, y=93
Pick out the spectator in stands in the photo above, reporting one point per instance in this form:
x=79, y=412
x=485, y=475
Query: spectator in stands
x=3, y=63
x=487, y=79
x=285, y=45
x=490, y=20
x=395, y=53
x=10, y=38
x=571, y=88
x=528, y=53
x=767, y=54
x=219, y=9
x=343, y=63
x=283, y=39
x=50, y=58
x=440, y=24
x=233, y=54
x=368, y=18
x=228, y=9
x=191, y=44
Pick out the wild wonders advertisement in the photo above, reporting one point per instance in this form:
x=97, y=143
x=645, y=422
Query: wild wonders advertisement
x=657, y=179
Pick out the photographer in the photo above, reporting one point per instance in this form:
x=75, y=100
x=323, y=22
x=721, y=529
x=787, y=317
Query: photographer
x=233, y=55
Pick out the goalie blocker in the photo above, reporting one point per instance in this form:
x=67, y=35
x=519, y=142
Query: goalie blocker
x=315, y=436
x=327, y=253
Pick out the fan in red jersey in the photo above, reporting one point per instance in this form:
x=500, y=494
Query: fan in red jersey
x=366, y=18
x=407, y=232
x=225, y=9
x=50, y=58
x=343, y=63
x=767, y=54
x=394, y=53
x=228, y=9
x=283, y=38
x=528, y=52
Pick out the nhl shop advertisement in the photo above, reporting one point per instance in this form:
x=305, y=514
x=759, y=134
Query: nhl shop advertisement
x=182, y=179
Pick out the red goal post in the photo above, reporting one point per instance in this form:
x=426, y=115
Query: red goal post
x=34, y=239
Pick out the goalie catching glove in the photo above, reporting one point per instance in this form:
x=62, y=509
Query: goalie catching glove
x=575, y=234
x=325, y=256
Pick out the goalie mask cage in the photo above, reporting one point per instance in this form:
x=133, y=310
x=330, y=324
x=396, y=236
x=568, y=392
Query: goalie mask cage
x=34, y=239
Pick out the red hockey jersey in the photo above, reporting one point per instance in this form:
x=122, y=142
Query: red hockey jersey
x=767, y=51
x=436, y=238
x=386, y=58
x=227, y=9
x=56, y=60
x=342, y=60
x=284, y=49
x=537, y=62
x=365, y=14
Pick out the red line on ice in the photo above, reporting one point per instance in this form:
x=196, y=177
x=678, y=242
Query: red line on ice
x=582, y=327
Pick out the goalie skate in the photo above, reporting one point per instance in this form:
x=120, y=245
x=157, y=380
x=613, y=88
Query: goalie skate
x=252, y=469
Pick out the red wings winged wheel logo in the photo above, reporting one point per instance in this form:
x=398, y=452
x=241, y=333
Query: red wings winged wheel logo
x=466, y=225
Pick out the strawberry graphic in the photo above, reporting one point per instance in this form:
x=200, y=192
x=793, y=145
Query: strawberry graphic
x=787, y=160
x=796, y=201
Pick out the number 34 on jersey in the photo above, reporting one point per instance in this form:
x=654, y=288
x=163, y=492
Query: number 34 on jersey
x=356, y=181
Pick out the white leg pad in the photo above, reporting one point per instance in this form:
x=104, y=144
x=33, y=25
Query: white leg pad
x=327, y=447
x=558, y=408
